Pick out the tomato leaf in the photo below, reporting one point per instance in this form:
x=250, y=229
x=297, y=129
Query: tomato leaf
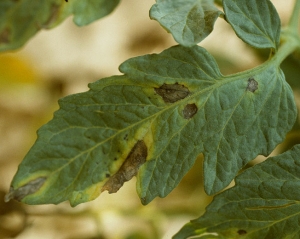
x=255, y=22
x=154, y=121
x=20, y=20
x=264, y=203
x=189, y=21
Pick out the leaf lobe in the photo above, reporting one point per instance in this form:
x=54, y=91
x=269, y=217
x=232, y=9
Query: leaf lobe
x=21, y=192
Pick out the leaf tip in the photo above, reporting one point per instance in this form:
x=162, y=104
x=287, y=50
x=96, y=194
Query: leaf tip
x=21, y=192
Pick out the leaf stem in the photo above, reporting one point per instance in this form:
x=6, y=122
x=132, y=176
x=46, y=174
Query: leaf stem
x=294, y=20
x=289, y=43
x=290, y=39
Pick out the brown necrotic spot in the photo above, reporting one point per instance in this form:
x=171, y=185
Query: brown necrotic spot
x=189, y=111
x=172, y=92
x=129, y=168
x=252, y=85
x=241, y=232
x=25, y=190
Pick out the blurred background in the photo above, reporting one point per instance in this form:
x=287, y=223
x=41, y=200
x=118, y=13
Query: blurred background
x=62, y=61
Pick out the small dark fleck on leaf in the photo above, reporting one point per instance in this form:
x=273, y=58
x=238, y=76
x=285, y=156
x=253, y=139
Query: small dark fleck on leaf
x=252, y=85
x=66, y=0
x=241, y=232
x=129, y=168
x=125, y=137
x=172, y=92
x=115, y=159
x=107, y=175
x=189, y=111
x=29, y=188
x=5, y=35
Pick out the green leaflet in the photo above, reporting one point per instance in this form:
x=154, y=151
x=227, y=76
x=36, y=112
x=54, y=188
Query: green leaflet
x=166, y=109
x=256, y=22
x=264, y=203
x=232, y=126
x=189, y=21
x=20, y=20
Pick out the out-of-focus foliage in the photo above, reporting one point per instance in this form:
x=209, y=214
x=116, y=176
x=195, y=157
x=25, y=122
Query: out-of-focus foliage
x=7, y=210
x=10, y=76
x=20, y=20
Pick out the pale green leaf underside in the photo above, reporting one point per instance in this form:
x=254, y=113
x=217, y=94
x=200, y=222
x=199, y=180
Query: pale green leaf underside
x=93, y=132
x=256, y=22
x=189, y=21
x=20, y=20
x=264, y=203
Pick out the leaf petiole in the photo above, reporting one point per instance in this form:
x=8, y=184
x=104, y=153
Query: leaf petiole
x=294, y=20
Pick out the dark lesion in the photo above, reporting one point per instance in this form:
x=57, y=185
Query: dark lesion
x=129, y=168
x=5, y=35
x=252, y=85
x=189, y=111
x=172, y=92
x=242, y=232
x=21, y=192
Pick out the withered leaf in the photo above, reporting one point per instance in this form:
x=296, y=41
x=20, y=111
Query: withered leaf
x=25, y=190
x=129, y=168
x=172, y=92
